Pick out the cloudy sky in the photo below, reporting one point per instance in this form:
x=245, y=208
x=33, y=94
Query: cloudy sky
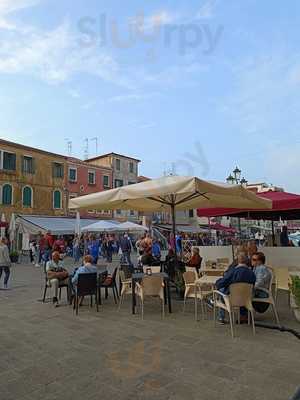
x=198, y=86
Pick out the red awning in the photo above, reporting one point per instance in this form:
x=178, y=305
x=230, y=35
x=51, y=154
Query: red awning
x=219, y=227
x=284, y=205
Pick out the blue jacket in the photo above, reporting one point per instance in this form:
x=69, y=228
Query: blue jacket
x=238, y=274
x=85, y=269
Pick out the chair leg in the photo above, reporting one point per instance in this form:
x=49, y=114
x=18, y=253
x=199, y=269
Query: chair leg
x=202, y=308
x=120, y=302
x=253, y=322
x=231, y=324
x=59, y=294
x=113, y=290
x=215, y=315
x=276, y=315
x=106, y=293
x=196, y=308
x=97, y=301
x=45, y=292
x=116, y=290
x=184, y=302
x=92, y=301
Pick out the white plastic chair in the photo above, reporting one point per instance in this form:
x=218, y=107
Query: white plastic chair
x=151, y=286
x=270, y=299
x=240, y=295
x=193, y=290
x=126, y=287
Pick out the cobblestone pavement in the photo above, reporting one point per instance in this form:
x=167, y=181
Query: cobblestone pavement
x=48, y=353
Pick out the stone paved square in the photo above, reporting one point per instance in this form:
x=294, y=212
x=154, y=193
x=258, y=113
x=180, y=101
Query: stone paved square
x=50, y=353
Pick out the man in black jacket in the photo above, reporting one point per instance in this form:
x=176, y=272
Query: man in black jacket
x=240, y=273
x=125, y=245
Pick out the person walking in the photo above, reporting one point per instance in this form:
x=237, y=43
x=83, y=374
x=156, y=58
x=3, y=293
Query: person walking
x=5, y=262
x=126, y=246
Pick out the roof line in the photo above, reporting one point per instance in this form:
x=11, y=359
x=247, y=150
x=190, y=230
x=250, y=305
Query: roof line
x=115, y=154
x=23, y=146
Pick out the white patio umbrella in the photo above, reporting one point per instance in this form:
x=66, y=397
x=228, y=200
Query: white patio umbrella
x=170, y=194
x=131, y=227
x=101, y=226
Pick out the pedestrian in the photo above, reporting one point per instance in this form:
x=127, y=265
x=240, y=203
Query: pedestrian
x=5, y=262
x=125, y=246
x=76, y=248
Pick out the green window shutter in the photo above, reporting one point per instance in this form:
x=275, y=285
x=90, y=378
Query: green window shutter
x=7, y=195
x=27, y=197
x=23, y=163
x=57, y=199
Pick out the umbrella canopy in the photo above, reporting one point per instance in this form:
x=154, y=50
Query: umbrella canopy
x=101, y=226
x=131, y=227
x=166, y=193
x=284, y=205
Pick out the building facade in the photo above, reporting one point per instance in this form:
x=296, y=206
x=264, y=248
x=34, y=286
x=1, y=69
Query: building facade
x=32, y=181
x=85, y=178
x=124, y=172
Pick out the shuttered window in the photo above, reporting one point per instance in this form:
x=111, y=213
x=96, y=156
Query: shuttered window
x=57, y=199
x=9, y=161
x=27, y=197
x=28, y=165
x=7, y=194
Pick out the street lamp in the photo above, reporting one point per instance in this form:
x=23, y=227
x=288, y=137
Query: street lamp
x=230, y=180
x=244, y=182
x=237, y=174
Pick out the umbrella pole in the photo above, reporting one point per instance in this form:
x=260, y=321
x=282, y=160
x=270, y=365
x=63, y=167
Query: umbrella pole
x=174, y=229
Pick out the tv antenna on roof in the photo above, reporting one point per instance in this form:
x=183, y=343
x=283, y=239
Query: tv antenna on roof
x=95, y=139
x=69, y=146
x=86, y=149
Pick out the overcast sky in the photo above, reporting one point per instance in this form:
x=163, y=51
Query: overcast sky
x=201, y=85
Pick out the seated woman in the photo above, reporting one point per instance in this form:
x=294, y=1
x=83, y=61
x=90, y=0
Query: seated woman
x=195, y=260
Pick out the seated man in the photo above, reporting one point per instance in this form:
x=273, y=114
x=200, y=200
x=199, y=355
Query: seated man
x=263, y=279
x=240, y=273
x=56, y=274
x=87, y=268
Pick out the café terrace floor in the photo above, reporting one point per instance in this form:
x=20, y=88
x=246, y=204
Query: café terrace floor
x=49, y=353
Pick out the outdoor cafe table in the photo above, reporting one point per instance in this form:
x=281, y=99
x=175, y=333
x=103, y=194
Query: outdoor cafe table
x=207, y=280
x=136, y=277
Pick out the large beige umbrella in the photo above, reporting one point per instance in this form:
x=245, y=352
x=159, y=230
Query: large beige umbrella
x=170, y=194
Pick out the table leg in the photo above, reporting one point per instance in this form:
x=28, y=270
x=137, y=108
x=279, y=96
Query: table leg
x=133, y=296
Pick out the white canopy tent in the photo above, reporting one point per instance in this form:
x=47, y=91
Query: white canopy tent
x=101, y=226
x=131, y=227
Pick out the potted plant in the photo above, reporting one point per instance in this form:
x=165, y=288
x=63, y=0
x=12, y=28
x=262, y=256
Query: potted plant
x=295, y=295
x=14, y=256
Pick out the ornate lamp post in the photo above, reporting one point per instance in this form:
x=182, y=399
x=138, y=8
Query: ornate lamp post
x=235, y=179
